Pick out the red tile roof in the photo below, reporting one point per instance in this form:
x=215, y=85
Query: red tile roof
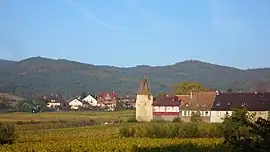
x=167, y=101
x=111, y=95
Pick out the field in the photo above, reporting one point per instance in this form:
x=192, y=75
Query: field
x=94, y=138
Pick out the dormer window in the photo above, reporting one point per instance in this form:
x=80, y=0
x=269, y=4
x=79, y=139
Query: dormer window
x=218, y=104
x=204, y=105
x=197, y=105
x=186, y=104
x=243, y=104
x=229, y=103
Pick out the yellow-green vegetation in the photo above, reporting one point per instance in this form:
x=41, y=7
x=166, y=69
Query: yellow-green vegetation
x=67, y=116
x=171, y=130
x=50, y=120
x=39, y=137
x=100, y=138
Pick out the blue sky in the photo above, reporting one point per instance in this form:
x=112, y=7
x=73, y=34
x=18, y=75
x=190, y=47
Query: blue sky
x=138, y=32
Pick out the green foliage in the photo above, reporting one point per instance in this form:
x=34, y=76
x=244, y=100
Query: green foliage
x=177, y=119
x=170, y=130
x=243, y=133
x=185, y=88
x=7, y=133
x=187, y=147
x=33, y=77
x=83, y=95
x=132, y=120
x=161, y=94
x=195, y=117
x=229, y=90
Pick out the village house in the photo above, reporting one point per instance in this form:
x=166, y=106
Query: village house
x=127, y=101
x=53, y=100
x=166, y=108
x=90, y=100
x=107, y=99
x=256, y=103
x=75, y=104
x=211, y=105
x=196, y=102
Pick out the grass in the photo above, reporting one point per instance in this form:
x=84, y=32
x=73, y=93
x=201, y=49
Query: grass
x=67, y=116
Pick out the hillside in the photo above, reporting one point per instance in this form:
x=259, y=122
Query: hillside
x=36, y=76
x=4, y=63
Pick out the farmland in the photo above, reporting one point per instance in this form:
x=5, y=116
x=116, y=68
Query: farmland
x=95, y=137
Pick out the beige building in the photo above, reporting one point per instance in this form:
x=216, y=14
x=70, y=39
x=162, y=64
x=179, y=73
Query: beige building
x=255, y=103
x=144, y=101
x=196, y=102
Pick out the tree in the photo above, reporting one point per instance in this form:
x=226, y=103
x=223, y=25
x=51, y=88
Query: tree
x=83, y=95
x=186, y=88
x=162, y=94
x=229, y=90
x=243, y=133
x=195, y=117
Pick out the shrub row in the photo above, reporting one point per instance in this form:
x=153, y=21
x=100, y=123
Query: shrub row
x=7, y=133
x=171, y=130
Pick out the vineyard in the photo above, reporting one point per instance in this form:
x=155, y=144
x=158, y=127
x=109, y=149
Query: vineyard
x=102, y=138
x=85, y=131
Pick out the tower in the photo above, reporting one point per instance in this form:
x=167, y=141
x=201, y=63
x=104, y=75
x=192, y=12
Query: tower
x=144, y=101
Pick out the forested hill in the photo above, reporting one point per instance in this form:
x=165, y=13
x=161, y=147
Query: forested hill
x=4, y=63
x=36, y=76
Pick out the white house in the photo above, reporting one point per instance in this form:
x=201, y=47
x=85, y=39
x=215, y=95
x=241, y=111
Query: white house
x=91, y=100
x=75, y=104
x=53, y=104
x=257, y=103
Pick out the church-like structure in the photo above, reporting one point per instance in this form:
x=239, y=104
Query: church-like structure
x=144, y=101
x=165, y=108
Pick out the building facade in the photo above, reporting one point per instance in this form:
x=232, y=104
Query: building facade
x=166, y=108
x=144, y=101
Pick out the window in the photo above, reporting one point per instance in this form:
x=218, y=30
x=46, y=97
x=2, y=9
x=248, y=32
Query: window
x=218, y=104
x=186, y=104
x=229, y=103
x=243, y=104
x=185, y=113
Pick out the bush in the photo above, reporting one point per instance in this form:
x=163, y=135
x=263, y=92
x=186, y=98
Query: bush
x=131, y=120
x=242, y=133
x=195, y=117
x=171, y=130
x=7, y=133
x=177, y=119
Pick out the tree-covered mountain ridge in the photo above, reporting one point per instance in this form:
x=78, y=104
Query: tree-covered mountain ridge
x=36, y=76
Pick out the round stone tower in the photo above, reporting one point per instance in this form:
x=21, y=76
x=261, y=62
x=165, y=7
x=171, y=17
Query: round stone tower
x=144, y=101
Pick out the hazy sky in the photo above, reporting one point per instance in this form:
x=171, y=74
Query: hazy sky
x=136, y=32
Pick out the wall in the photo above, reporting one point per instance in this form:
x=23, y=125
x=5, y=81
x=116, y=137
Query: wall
x=166, y=117
x=53, y=104
x=186, y=115
x=216, y=116
x=91, y=100
x=166, y=109
x=75, y=104
x=144, y=110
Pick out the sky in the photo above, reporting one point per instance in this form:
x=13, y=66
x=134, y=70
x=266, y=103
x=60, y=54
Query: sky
x=127, y=33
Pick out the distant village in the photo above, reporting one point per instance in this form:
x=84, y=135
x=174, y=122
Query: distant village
x=211, y=105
